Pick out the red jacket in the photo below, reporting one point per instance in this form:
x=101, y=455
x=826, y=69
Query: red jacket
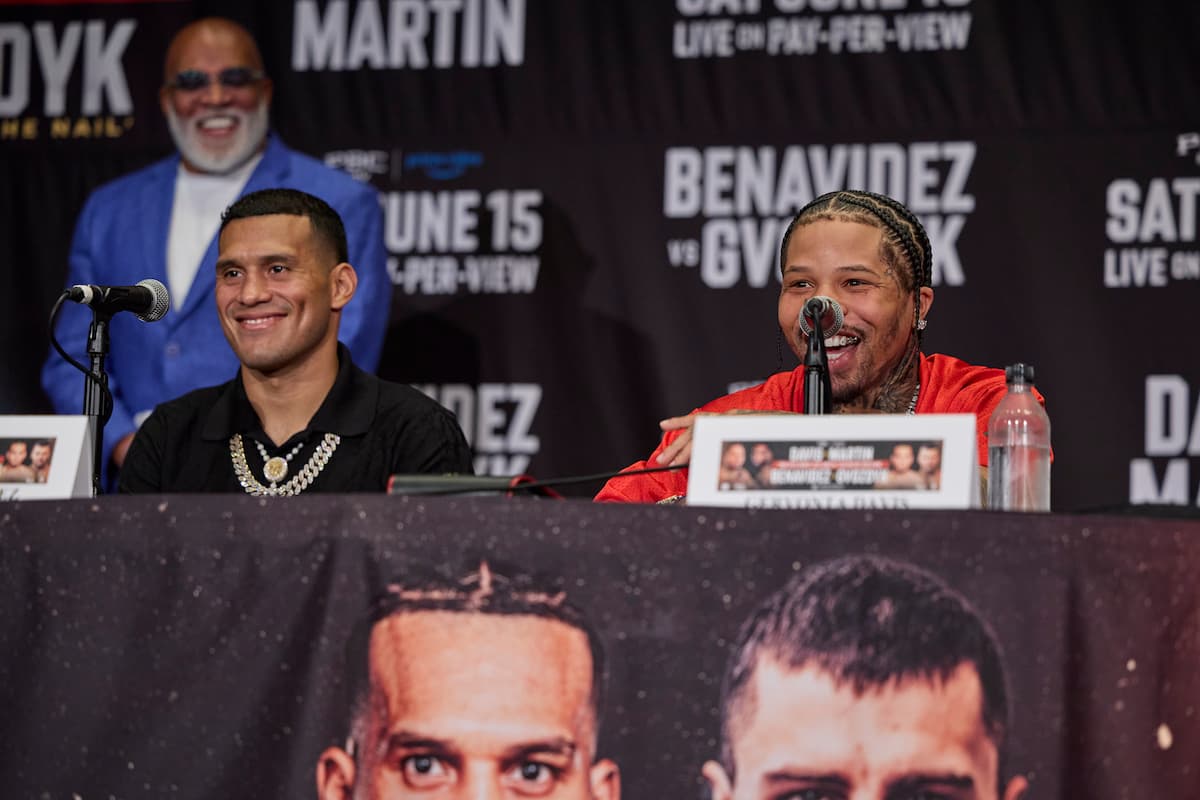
x=948, y=386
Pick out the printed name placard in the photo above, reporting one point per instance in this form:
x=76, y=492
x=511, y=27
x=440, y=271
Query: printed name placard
x=834, y=461
x=45, y=457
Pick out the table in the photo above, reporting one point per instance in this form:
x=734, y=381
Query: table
x=192, y=646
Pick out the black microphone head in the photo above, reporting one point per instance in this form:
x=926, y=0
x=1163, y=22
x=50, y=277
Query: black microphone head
x=161, y=300
x=821, y=307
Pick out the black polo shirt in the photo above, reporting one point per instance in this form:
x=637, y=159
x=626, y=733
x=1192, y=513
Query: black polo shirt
x=385, y=428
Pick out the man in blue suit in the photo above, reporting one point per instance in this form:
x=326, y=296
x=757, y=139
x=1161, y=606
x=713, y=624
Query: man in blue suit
x=161, y=222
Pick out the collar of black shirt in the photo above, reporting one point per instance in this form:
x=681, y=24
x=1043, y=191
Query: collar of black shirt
x=348, y=409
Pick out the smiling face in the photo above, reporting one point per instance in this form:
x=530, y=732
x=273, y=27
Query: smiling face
x=216, y=128
x=805, y=735
x=475, y=705
x=279, y=292
x=845, y=260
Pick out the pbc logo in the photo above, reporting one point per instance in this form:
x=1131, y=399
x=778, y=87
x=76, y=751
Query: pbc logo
x=361, y=164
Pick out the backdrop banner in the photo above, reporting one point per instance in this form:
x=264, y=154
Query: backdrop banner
x=193, y=647
x=584, y=201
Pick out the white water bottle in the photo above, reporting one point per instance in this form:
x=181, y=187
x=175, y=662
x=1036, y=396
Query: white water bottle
x=1019, y=447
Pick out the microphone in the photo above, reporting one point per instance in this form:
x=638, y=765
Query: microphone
x=818, y=308
x=149, y=299
x=818, y=388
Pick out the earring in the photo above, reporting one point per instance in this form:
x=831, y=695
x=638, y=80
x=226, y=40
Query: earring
x=921, y=324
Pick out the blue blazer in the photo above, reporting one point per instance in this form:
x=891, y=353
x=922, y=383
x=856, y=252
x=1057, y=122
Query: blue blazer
x=121, y=238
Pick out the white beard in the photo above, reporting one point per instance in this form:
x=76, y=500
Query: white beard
x=251, y=129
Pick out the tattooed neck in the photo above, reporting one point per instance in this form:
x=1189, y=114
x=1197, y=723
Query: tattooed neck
x=895, y=397
x=898, y=398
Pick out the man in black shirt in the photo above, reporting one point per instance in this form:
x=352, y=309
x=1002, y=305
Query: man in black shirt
x=299, y=415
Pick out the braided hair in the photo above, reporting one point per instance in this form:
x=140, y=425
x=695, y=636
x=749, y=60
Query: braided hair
x=905, y=246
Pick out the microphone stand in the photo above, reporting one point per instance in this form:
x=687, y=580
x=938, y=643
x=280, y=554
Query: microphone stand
x=95, y=390
x=818, y=391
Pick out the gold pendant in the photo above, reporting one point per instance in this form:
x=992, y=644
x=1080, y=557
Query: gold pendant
x=275, y=469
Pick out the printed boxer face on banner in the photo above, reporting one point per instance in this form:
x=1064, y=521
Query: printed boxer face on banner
x=277, y=291
x=733, y=459
x=761, y=454
x=843, y=260
x=475, y=705
x=804, y=734
x=902, y=458
x=40, y=456
x=15, y=455
x=217, y=123
x=929, y=459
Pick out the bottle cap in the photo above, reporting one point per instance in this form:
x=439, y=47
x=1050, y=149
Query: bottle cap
x=1022, y=373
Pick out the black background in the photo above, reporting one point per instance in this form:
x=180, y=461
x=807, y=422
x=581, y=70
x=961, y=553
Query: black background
x=1059, y=97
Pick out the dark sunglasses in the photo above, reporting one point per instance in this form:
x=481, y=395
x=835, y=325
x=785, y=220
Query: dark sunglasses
x=191, y=80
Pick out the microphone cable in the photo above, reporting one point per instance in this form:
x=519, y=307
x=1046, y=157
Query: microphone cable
x=105, y=393
x=518, y=483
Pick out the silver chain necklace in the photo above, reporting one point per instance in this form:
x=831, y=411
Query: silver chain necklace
x=299, y=482
x=912, y=404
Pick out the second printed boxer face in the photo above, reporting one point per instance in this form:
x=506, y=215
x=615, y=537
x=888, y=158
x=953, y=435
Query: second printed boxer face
x=804, y=735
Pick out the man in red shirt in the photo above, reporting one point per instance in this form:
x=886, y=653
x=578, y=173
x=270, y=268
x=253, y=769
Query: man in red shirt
x=872, y=255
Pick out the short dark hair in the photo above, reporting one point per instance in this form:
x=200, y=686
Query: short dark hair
x=905, y=246
x=326, y=223
x=867, y=621
x=481, y=591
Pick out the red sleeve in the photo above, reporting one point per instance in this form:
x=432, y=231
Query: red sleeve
x=649, y=487
x=952, y=386
x=775, y=394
